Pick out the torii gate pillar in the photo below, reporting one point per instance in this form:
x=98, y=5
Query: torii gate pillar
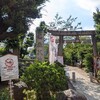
x=94, y=43
x=95, y=54
x=60, y=46
x=60, y=50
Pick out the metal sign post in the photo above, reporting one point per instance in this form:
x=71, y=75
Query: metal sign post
x=10, y=89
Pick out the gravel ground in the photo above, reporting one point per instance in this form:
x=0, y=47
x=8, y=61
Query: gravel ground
x=83, y=84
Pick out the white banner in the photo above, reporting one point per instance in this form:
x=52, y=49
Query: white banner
x=53, y=49
x=9, y=67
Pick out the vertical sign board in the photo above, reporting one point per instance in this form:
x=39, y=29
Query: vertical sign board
x=9, y=67
x=52, y=49
x=40, y=45
x=97, y=63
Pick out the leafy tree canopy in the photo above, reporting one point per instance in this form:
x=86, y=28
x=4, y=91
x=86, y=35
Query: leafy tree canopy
x=96, y=17
x=16, y=15
x=68, y=24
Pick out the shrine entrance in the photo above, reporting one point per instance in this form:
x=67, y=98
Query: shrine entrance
x=61, y=34
x=91, y=33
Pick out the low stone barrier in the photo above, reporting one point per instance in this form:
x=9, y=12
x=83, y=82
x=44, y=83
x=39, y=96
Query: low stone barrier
x=70, y=94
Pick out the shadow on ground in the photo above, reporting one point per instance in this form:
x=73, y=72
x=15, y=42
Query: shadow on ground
x=90, y=90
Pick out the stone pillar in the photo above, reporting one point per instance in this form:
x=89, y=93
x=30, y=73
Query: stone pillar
x=60, y=46
x=39, y=44
x=60, y=50
x=94, y=43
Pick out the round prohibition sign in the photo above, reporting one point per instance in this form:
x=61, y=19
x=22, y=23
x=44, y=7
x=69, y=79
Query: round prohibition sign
x=9, y=63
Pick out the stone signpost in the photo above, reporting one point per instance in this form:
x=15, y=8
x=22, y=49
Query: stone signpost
x=39, y=44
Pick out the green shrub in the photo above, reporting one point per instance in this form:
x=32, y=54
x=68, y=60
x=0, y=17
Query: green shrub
x=98, y=47
x=76, y=52
x=68, y=54
x=45, y=79
x=98, y=75
x=4, y=94
x=2, y=50
x=30, y=95
x=88, y=62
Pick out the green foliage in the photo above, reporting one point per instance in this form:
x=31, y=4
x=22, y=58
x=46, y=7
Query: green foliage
x=68, y=54
x=45, y=79
x=58, y=21
x=75, y=52
x=98, y=75
x=96, y=17
x=46, y=49
x=98, y=47
x=4, y=94
x=28, y=41
x=2, y=50
x=43, y=26
x=17, y=15
x=84, y=49
x=67, y=24
x=88, y=62
x=11, y=43
x=71, y=53
x=30, y=95
x=22, y=42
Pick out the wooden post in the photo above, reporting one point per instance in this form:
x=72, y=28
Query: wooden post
x=91, y=76
x=10, y=89
x=73, y=77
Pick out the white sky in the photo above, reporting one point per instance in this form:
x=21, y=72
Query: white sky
x=83, y=9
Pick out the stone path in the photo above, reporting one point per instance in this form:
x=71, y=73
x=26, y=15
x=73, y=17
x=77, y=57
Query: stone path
x=83, y=84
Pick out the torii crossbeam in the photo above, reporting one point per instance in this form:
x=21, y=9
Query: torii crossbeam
x=59, y=33
x=72, y=33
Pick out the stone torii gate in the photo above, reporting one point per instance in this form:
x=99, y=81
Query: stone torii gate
x=92, y=33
